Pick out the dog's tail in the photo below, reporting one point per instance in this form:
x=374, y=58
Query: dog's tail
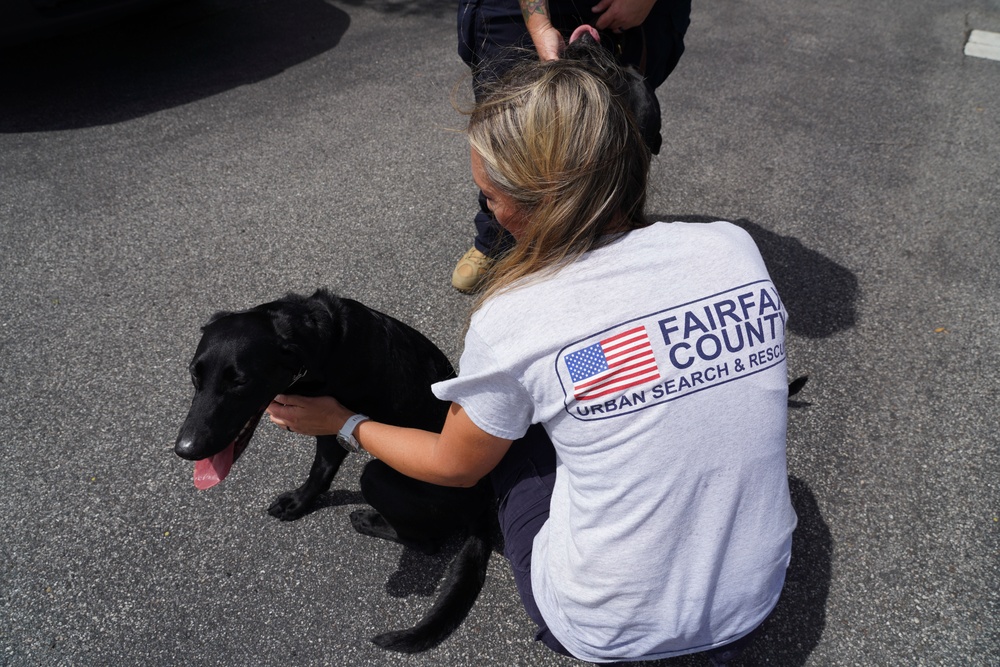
x=462, y=582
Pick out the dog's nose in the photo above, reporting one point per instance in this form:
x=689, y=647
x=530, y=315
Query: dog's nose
x=185, y=447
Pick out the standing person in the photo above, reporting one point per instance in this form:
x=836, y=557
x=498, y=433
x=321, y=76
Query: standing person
x=623, y=385
x=495, y=34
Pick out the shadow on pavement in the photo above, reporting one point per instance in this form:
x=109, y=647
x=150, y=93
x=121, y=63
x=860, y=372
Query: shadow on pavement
x=336, y=498
x=794, y=629
x=818, y=293
x=163, y=58
x=790, y=634
x=417, y=573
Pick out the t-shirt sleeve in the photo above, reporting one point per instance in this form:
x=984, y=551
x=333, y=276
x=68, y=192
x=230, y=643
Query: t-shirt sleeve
x=491, y=395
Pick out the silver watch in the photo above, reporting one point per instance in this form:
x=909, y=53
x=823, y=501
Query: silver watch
x=346, y=436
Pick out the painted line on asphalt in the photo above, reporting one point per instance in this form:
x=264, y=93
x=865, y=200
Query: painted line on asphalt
x=983, y=44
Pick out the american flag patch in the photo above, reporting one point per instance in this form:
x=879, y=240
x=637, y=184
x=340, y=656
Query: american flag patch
x=612, y=365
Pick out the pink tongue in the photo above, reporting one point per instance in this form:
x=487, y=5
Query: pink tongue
x=209, y=472
x=582, y=29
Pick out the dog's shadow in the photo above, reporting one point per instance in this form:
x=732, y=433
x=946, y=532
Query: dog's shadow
x=336, y=498
x=417, y=573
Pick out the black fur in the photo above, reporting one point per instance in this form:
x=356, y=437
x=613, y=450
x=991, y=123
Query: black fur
x=795, y=386
x=373, y=364
x=627, y=82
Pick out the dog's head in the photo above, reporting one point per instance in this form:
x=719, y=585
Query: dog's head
x=584, y=45
x=242, y=362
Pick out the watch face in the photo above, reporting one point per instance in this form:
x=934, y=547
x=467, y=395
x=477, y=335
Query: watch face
x=348, y=443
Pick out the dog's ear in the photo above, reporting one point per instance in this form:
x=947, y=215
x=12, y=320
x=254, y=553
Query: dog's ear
x=627, y=82
x=645, y=109
x=216, y=317
x=294, y=325
x=282, y=324
x=302, y=325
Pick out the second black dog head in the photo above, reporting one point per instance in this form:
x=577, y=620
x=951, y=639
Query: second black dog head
x=627, y=82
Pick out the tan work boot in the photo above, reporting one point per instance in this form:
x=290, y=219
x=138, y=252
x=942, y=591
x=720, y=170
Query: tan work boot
x=470, y=271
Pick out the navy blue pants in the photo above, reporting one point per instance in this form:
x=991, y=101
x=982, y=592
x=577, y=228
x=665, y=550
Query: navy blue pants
x=492, y=37
x=523, y=482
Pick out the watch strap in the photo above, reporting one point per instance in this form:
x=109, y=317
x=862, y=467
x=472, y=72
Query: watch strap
x=347, y=430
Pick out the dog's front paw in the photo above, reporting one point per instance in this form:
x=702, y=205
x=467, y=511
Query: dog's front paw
x=289, y=506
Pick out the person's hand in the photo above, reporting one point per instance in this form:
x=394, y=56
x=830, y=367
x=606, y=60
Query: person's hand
x=618, y=15
x=549, y=42
x=308, y=415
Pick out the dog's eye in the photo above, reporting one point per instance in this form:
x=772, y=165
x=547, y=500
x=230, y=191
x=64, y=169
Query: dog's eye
x=233, y=378
x=195, y=376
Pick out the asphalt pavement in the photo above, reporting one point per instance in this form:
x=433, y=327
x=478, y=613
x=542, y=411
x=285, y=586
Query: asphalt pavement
x=214, y=155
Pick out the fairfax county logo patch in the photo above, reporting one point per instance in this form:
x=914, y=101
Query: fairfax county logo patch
x=672, y=353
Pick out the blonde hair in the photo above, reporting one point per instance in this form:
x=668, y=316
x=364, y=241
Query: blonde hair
x=557, y=138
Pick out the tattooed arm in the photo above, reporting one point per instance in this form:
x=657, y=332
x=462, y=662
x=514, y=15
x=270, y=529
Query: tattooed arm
x=548, y=41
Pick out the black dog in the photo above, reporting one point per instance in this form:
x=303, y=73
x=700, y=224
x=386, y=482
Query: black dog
x=585, y=45
x=323, y=345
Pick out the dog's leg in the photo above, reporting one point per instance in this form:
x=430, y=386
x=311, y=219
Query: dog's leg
x=370, y=522
x=293, y=504
x=412, y=513
x=390, y=494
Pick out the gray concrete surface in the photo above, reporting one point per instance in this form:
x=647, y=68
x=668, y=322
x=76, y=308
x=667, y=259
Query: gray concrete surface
x=218, y=154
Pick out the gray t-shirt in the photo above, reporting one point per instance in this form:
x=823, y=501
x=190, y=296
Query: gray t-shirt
x=657, y=366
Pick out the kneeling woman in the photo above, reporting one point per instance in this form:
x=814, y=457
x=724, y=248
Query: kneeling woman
x=613, y=387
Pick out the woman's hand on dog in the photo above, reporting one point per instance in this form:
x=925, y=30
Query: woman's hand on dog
x=308, y=415
x=460, y=456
